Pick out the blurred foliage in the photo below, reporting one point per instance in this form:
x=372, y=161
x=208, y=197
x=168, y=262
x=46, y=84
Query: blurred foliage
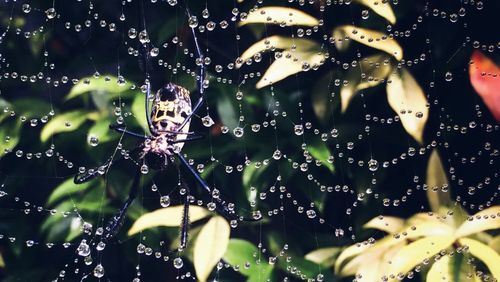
x=429, y=237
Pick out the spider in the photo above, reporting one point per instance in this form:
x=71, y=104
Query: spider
x=168, y=123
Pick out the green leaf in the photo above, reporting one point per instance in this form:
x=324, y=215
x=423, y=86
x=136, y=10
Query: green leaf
x=246, y=256
x=210, y=246
x=169, y=217
x=30, y=107
x=484, y=220
x=101, y=131
x=279, y=15
x=240, y=253
x=66, y=122
x=485, y=254
x=139, y=111
x=320, y=152
x=103, y=85
x=9, y=135
x=68, y=188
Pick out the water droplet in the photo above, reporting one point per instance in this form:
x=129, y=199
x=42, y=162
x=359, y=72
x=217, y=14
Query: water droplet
x=143, y=37
x=372, y=165
x=448, y=76
x=193, y=21
x=132, y=33
x=178, y=263
x=51, y=13
x=83, y=249
x=144, y=169
x=164, y=201
x=26, y=8
x=172, y=2
x=238, y=132
x=93, y=141
x=298, y=129
x=311, y=213
x=99, y=271
x=207, y=121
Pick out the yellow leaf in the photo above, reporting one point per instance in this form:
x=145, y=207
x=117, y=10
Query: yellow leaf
x=323, y=256
x=430, y=228
x=279, y=15
x=358, y=248
x=279, y=42
x=350, y=251
x=210, y=246
x=486, y=254
x=290, y=63
x=383, y=8
x=169, y=217
x=389, y=224
x=298, y=55
x=371, y=71
x=484, y=220
x=440, y=270
x=413, y=254
x=365, y=266
x=371, y=38
x=495, y=244
x=435, y=180
x=408, y=100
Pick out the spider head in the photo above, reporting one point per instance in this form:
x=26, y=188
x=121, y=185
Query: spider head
x=168, y=92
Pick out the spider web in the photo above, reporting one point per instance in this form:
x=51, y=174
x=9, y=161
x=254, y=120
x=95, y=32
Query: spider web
x=319, y=117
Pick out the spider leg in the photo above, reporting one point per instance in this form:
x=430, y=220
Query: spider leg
x=115, y=223
x=193, y=138
x=200, y=78
x=121, y=129
x=91, y=174
x=221, y=206
x=185, y=220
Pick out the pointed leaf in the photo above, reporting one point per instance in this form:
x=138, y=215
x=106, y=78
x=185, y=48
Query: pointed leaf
x=100, y=130
x=169, y=217
x=65, y=122
x=413, y=254
x=371, y=71
x=435, y=180
x=289, y=64
x=279, y=15
x=275, y=42
x=486, y=254
x=440, y=270
x=139, y=110
x=324, y=256
x=383, y=8
x=371, y=38
x=210, y=246
x=484, y=220
x=10, y=131
x=484, y=76
x=389, y=224
x=103, y=85
x=320, y=152
x=405, y=95
x=67, y=188
x=240, y=253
